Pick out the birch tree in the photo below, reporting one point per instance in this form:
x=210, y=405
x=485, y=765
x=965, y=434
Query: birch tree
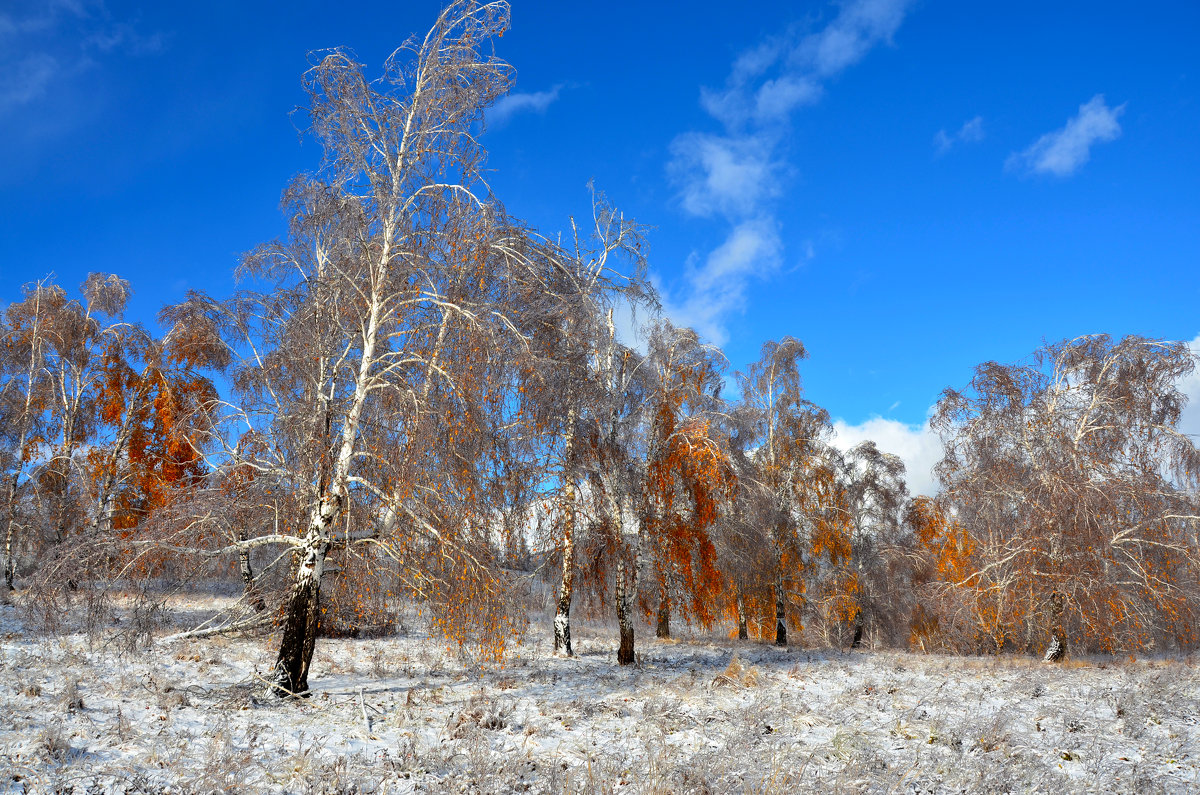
x=153, y=401
x=1076, y=490
x=74, y=371
x=688, y=477
x=742, y=536
x=61, y=348
x=618, y=475
x=789, y=433
x=579, y=384
x=380, y=379
x=858, y=575
x=24, y=396
x=876, y=495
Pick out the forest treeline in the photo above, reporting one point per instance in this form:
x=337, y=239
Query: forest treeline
x=416, y=398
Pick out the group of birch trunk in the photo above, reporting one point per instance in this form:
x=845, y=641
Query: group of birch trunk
x=679, y=503
x=423, y=396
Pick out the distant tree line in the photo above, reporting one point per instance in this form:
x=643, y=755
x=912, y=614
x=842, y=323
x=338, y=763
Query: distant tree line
x=417, y=398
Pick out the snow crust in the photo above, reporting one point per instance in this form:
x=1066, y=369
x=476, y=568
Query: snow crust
x=706, y=714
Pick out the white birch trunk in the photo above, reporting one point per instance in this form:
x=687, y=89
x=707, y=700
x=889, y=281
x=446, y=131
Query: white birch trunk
x=562, y=611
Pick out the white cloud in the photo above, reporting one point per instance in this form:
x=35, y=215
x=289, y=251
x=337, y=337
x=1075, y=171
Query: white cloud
x=971, y=132
x=1064, y=151
x=44, y=19
x=1189, y=423
x=753, y=62
x=735, y=175
x=512, y=104
x=123, y=37
x=730, y=176
x=917, y=446
x=75, y=7
x=779, y=97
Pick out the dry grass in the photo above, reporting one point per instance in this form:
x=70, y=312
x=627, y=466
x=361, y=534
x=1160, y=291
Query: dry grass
x=736, y=675
x=697, y=715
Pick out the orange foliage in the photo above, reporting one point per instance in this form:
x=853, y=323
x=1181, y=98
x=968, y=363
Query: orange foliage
x=687, y=481
x=947, y=545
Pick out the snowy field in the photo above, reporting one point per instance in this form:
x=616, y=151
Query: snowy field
x=703, y=714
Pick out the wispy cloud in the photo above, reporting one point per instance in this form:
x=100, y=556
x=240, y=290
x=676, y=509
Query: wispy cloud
x=40, y=18
x=512, y=104
x=49, y=42
x=124, y=37
x=735, y=175
x=1064, y=151
x=770, y=81
x=718, y=286
x=27, y=80
x=971, y=132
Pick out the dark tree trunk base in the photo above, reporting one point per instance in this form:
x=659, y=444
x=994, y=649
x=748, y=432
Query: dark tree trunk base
x=1058, y=646
x=858, y=634
x=780, y=607
x=300, y=625
x=663, y=630
x=740, y=603
x=625, y=655
x=625, y=650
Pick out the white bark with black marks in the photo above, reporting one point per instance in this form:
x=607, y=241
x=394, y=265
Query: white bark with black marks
x=566, y=587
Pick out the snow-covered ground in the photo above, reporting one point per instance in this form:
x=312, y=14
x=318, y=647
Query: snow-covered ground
x=704, y=714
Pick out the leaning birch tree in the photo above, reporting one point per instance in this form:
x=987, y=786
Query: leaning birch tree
x=383, y=354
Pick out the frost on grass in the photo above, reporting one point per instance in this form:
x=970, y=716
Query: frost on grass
x=704, y=715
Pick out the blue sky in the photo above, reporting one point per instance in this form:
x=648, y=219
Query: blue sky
x=911, y=188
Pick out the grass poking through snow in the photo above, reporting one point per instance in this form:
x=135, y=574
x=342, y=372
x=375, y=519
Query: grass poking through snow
x=701, y=715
